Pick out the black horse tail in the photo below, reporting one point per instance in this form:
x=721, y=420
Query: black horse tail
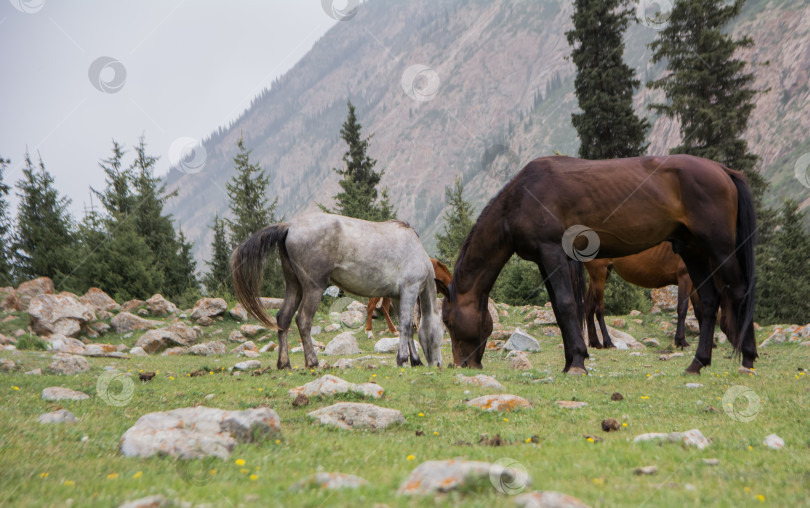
x=746, y=241
x=577, y=270
x=247, y=268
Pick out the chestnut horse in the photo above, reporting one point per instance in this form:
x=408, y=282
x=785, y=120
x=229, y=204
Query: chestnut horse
x=442, y=273
x=560, y=211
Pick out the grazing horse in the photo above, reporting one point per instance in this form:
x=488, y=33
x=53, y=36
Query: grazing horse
x=364, y=258
x=441, y=272
x=559, y=211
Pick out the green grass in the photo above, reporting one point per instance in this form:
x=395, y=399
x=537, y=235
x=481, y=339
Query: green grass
x=45, y=465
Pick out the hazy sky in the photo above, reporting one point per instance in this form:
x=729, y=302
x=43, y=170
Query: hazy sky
x=167, y=69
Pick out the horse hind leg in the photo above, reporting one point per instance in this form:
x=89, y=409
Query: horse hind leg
x=292, y=299
x=385, y=307
x=684, y=291
x=311, y=300
x=372, y=303
x=407, y=347
x=701, y=274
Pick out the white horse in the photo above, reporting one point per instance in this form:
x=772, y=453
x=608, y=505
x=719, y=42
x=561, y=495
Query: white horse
x=364, y=258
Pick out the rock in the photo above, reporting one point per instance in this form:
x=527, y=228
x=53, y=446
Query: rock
x=138, y=351
x=100, y=327
x=352, y=318
x=159, y=306
x=205, y=321
x=502, y=402
x=270, y=346
x=344, y=363
x=387, y=345
x=58, y=416
x=131, y=305
x=774, y=442
x=635, y=313
x=651, y=342
x=34, y=372
x=58, y=314
x=252, y=330
x=521, y=341
x=655, y=309
x=343, y=344
x=99, y=300
x=208, y=348
x=542, y=317
x=329, y=385
x=208, y=307
x=351, y=415
x=691, y=325
x=244, y=347
x=665, y=298
x=248, y=365
x=11, y=302
x=301, y=400
x=59, y=393
x=177, y=334
x=777, y=337
x=436, y=476
x=693, y=385
x=520, y=362
x=481, y=380
x=329, y=481
x=315, y=330
x=332, y=328
x=689, y=438
x=62, y=344
x=174, y=351
x=125, y=322
x=645, y=470
x=238, y=313
x=711, y=462
x=68, y=364
x=33, y=288
x=7, y=365
x=571, y=404
x=669, y=356
x=196, y=432
x=156, y=501
x=236, y=336
x=548, y=499
x=619, y=323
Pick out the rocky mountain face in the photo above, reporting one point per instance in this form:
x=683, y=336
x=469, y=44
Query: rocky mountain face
x=471, y=89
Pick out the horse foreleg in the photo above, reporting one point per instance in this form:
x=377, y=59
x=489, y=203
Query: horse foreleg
x=595, y=303
x=311, y=300
x=407, y=348
x=385, y=307
x=684, y=292
x=372, y=303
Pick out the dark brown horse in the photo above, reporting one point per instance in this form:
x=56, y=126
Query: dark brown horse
x=559, y=211
x=441, y=272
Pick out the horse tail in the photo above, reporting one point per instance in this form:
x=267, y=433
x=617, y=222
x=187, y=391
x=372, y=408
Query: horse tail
x=577, y=271
x=745, y=243
x=247, y=268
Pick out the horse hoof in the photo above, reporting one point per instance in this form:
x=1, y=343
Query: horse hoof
x=402, y=361
x=747, y=372
x=577, y=371
x=286, y=366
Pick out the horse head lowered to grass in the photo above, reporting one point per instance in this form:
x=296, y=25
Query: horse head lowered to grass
x=560, y=211
x=364, y=258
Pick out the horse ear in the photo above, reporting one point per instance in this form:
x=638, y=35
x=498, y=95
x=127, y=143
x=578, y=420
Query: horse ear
x=441, y=287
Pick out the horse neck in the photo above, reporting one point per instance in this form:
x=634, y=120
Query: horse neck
x=485, y=256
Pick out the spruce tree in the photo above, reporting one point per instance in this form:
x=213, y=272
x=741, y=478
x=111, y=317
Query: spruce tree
x=608, y=127
x=707, y=89
x=218, y=279
x=44, y=238
x=6, y=262
x=457, y=223
x=117, y=198
x=358, y=197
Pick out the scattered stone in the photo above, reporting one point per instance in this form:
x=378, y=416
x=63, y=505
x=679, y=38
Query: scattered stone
x=387, y=345
x=159, y=306
x=177, y=334
x=481, y=380
x=622, y=340
x=344, y=363
x=502, y=402
x=238, y=313
x=52, y=314
x=351, y=415
x=520, y=362
x=98, y=300
x=552, y=331
x=521, y=341
x=125, y=322
x=58, y=416
x=301, y=400
x=252, y=330
x=62, y=344
x=190, y=433
x=270, y=346
x=59, y=393
x=243, y=348
x=248, y=365
x=329, y=481
x=446, y=475
x=11, y=302
x=548, y=499
x=236, y=336
x=665, y=298
x=208, y=307
x=100, y=327
x=156, y=501
x=774, y=442
x=777, y=337
x=619, y=323
x=7, y=365
x=138, y=351
x=711, y=462
x=571, y=404
x=34, y=372
x=33, y=288
x=651, y=342
x=342, y=344
x=208, y=348
x=332, y=328
x=205, y=321
x=669, y=356
x=68, y=364
x=635, y=313
x=329, y=385
x=645, y=470
x=693, y=385
x=689, y=438
x=610, y=424
x=131, y=305
x=315, y=330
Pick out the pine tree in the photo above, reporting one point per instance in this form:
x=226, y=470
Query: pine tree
x=457, y=223
x=218, y=279
x=127, y=263
x=251, y=211
x=707, y=89
x=6, y=276
x=117, y=198
x=44, y=239
x=608, y=127
x=358, y=197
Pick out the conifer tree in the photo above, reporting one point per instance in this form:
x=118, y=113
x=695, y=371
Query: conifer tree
x=608, y=127
x=218, y=279
x=6, y=261
x=457, y=223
